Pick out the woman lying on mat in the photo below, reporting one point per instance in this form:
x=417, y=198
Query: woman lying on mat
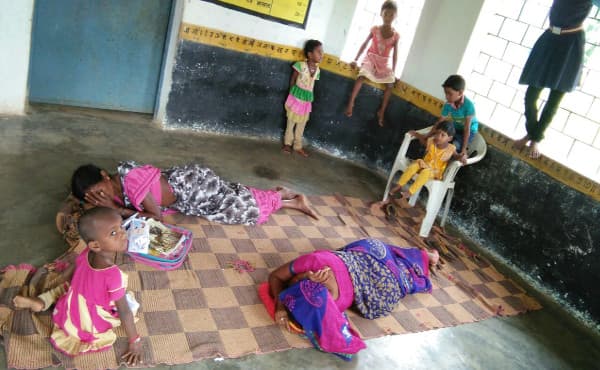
x=318, y=287
x=191, y=189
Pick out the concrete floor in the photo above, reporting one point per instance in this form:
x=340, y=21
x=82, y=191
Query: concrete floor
x=38, y=153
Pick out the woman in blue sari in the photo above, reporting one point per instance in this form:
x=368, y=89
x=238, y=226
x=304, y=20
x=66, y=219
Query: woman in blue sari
x=367, y=274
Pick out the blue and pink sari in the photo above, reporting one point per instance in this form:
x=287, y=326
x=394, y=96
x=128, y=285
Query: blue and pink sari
x=324, y=325
x=381, y=275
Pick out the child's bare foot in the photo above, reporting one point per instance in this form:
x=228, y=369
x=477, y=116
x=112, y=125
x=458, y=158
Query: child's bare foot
x=286, y=194
x=300, y=203
x=380, y=118
x=286, y=149
x=534, y=151
x=33, y=304
x=349, y=109
x=434, y=257
x=521, y=143
x=376, y=208
x=302, y=152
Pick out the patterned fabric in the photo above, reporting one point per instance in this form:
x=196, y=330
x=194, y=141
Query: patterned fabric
x=268, y=202
x=384, y=274
x=137, y=181
x=376, y=66
x=321, y=259
x=85, y=315
x=324, y=324
x=299, y=101
x=200, y=192
x=206, y=309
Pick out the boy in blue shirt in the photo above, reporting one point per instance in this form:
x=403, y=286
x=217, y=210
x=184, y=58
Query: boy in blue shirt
x=458, y=109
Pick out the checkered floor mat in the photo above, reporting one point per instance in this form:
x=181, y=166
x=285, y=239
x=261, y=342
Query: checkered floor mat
x=208, y=308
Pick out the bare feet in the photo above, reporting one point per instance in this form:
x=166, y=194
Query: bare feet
x=301, y=204
x=286, y=149
x=534, y=151
x=380, y=118
x=521, y=143
x=34, y=304
x=434, y=257
x=349, y=109
x=302, y=152
x=376, y=208
x=286, y=194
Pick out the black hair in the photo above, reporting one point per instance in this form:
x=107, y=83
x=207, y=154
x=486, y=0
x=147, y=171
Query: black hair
x=87, y=222
x=389, y=5
x=455, y=82
x=310, y=46
x=447, y=127
x=83, y=178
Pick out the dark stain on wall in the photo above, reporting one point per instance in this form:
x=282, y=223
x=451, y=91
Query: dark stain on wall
x=545, y=228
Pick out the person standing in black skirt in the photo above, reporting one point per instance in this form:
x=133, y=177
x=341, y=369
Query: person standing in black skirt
x=554, y=62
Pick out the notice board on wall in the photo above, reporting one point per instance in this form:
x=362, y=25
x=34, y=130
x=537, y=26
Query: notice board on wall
x=290, y=12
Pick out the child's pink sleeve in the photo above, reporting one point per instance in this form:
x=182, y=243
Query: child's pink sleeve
x=116, y=284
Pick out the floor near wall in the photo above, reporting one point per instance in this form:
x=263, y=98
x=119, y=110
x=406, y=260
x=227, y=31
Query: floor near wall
x=39, y=151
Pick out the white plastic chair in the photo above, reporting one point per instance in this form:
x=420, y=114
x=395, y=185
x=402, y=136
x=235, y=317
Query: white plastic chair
x=437, y=188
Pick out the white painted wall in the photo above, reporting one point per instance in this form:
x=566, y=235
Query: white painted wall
x=328, y=21
x=15, y=42
x=166, y=74
x=441, y=39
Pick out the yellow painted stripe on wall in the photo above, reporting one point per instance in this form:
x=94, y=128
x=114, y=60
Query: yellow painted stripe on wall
x=403, y=90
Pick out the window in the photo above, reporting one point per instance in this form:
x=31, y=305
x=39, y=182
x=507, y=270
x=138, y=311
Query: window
x=367, y=15
x=511, y=29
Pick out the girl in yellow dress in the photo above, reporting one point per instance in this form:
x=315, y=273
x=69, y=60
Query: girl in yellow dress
x=439, y=152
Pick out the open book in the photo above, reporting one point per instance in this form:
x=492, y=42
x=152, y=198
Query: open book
x=152, y=237
x=164, y=241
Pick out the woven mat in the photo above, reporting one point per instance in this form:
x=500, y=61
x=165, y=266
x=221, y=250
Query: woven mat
x=207, y=309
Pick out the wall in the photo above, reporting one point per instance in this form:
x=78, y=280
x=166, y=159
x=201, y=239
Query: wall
x=232, y=92
x=15, y=40
x=544, y=228
x=441, y=38
x=328, y=21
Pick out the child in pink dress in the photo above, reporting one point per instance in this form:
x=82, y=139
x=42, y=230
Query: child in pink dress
x=95, y=301
x=298, y=104
x=375, y=66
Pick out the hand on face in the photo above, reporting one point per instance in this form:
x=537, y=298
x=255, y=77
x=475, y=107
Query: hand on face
x=99, y=198
x=320, y=276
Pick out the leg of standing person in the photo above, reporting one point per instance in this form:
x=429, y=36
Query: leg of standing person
x=299, y=131
x=288, y=137
x=531, y=114
x=384, y=103
x=350, y=106
x=537, y=133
